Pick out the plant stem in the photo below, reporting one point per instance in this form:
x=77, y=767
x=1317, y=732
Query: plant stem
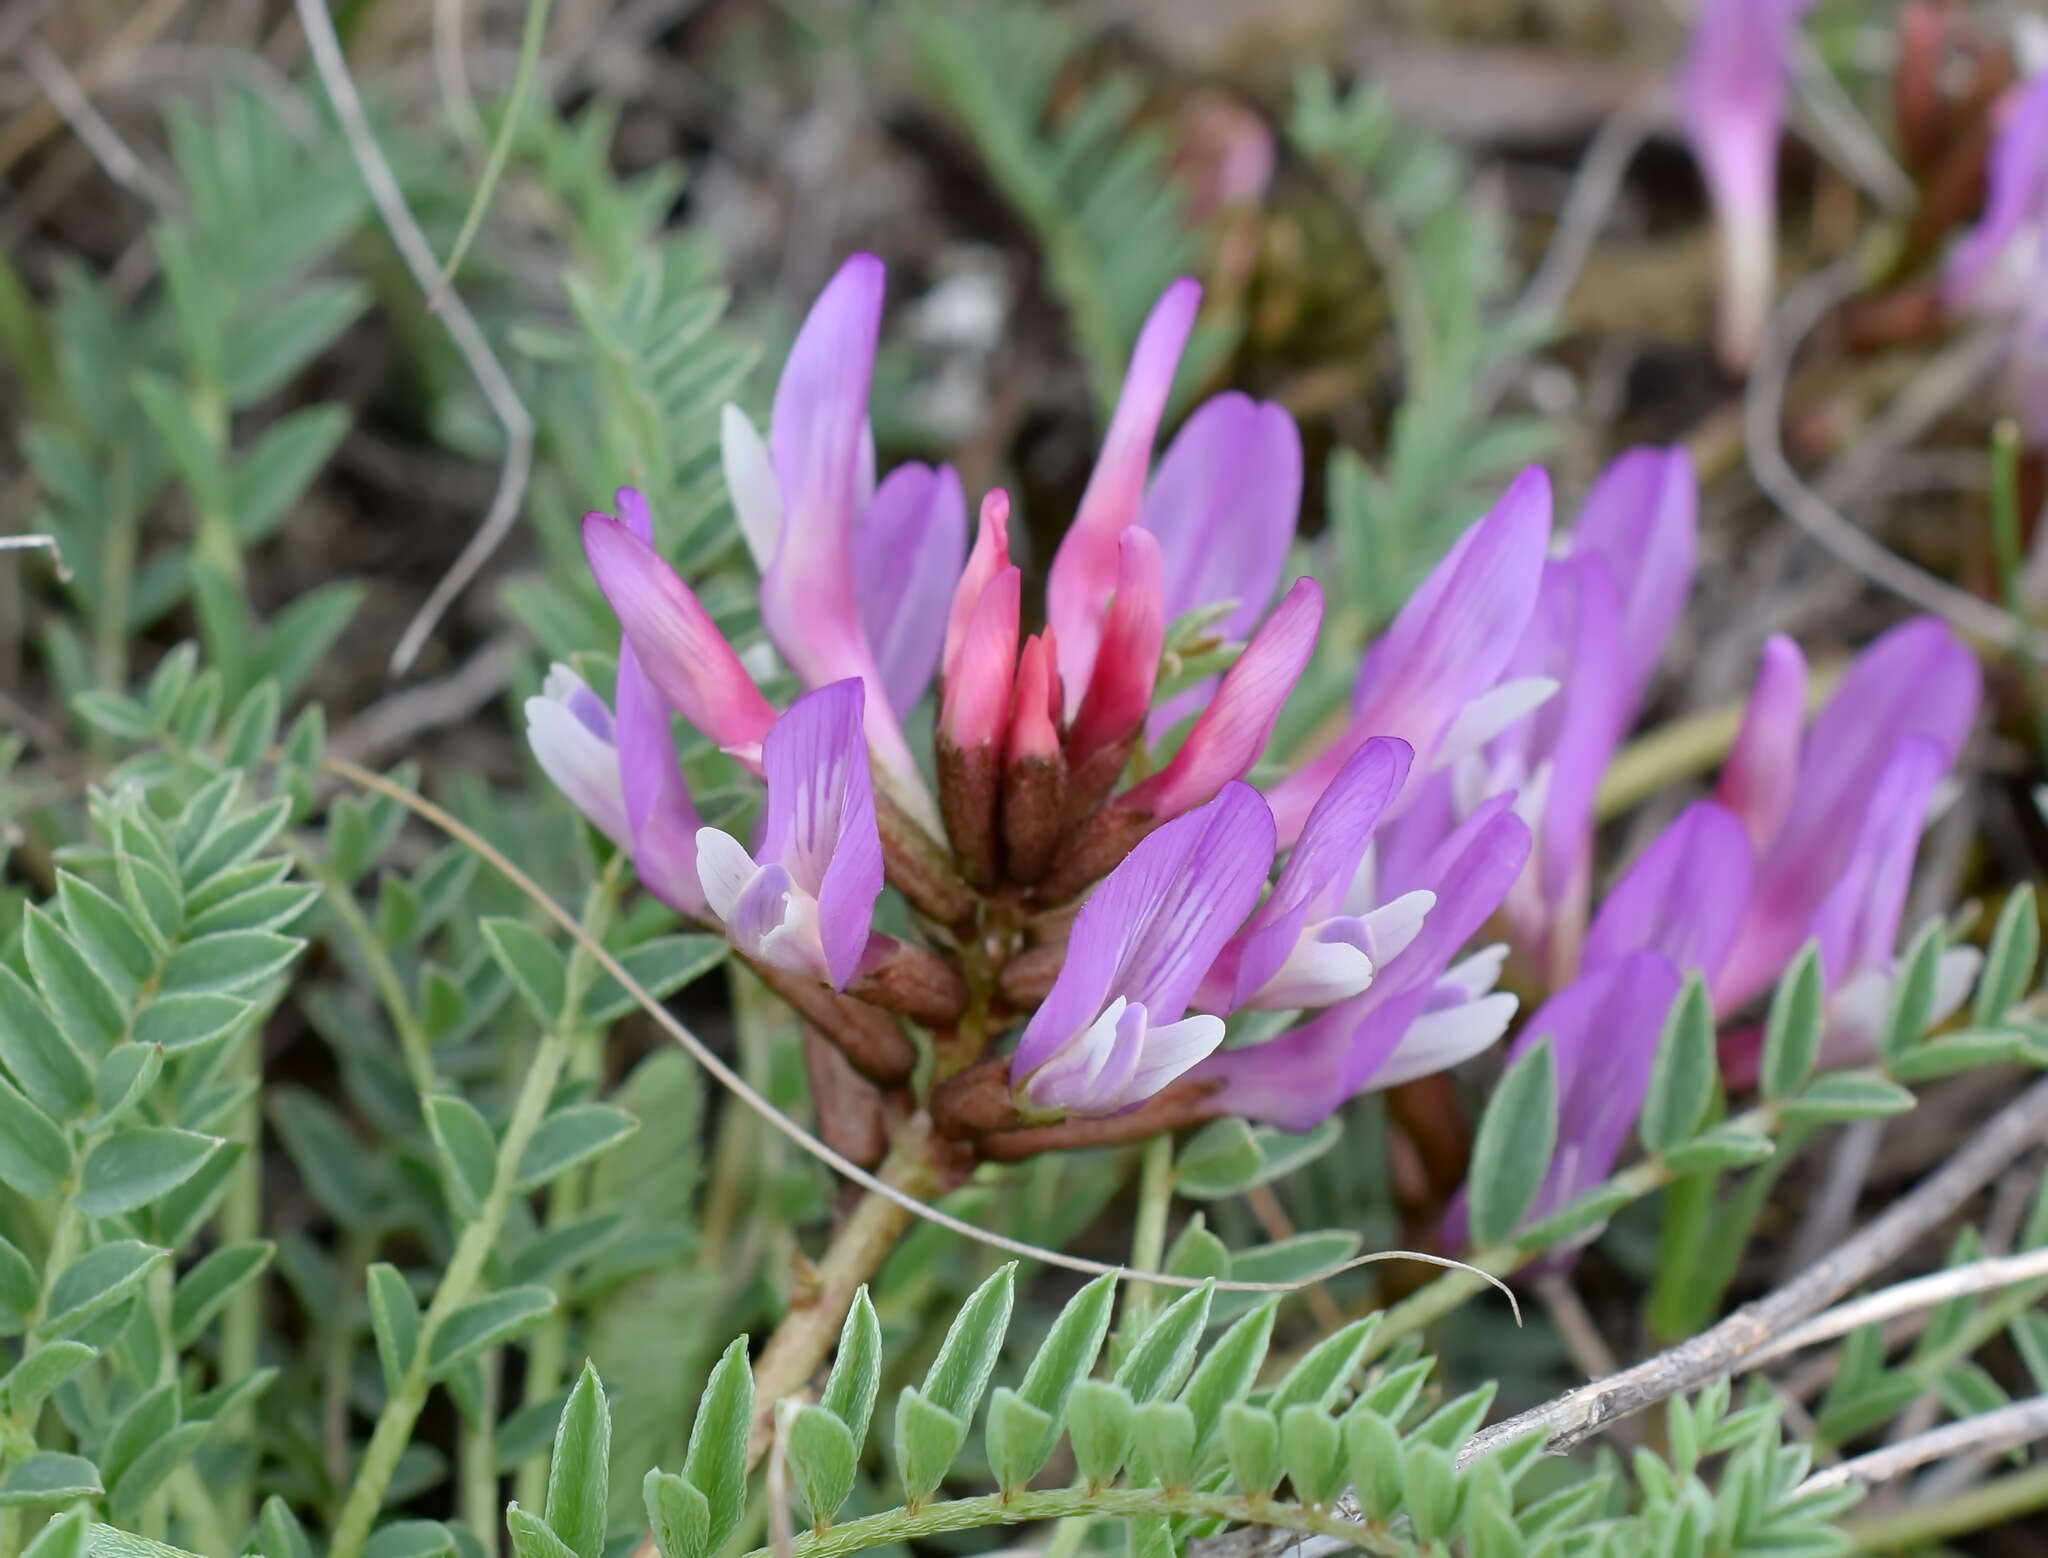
x=997, y=1509
x=1148, y=1232
x=395, y=1423
x=1976, y=1509
x=479, y=1461
x=856, y=1252
x=241, y=1221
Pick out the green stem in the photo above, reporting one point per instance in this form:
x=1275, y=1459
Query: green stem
x=412, y=1033
x=241, y=1221
x=1434, y=1300
x=1981, y=1508
x=479, y=1460
x=1016, y=1509
x=395, y=1423
x=1148, y=1233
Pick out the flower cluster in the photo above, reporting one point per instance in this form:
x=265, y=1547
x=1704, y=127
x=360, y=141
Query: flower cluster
x=1084, y=859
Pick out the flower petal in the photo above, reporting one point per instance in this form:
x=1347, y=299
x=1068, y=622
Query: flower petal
x=1232, y=731
x=658, y=811
x=1858, y=924
x=1683, y=897
x=1642, y=517
x=1224, y=503
x=820, y=820
x=580, y=763
x=1084, y=569
x=981, y=675
x=907, y=552
x=1763, y=765
x=2015, y=196
x=750, y=483
x=1127, y=664
x=1449, y=644
x=1732, y=102
x=724, y=868
x=1918, y=680
x=991, y=555
x=674, y=637
x=1322, y=864
x=1156, y=923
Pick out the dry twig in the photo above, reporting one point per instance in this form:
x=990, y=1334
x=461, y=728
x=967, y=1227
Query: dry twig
x=1982, y=1276
x=1763, y=406
x=469, y=340
x=2021, y=1423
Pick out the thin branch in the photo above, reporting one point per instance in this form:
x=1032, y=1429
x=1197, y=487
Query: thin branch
x=2003, y=1429
x=392, y=723
x=841, y=1165
x=1594, y=188
x=1763, y=407
x=69, y=98
x=1981, y=1276
x=1732, y=1343
x=469, y=340
x=1841, y=129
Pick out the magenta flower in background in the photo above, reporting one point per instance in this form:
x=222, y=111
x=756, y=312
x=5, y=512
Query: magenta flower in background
x=1434, y=679
x=1763, y=765
x=1603, y=1029
x=803, y=901
x=622, y=772
x=1682, y=898
x=1918, y=680
x=1111, y=1033
x=1420, y=1013
x=1603, y=614
x=2000, y=268
x=1732, y=100
x=810, y=507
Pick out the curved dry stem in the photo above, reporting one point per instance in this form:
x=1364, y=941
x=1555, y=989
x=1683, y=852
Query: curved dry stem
x=469, y=339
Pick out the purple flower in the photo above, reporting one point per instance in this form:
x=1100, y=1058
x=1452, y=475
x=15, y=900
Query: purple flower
x=1603, y=1030
x=1918, y=680
x=1553, y=758
x=1314, y=942
x=1233, y=729
x=1763, y=764
x=1223, y=502
x=671, y=634
x=2000, y=269
x=809, y=506
x=622, y=773
x=1434, y=679
x=1421, y=1013
x=1732, y=99
x=1083, y=573
x=1603, y=612
x=1683, y=897
x=1111, y=1032
x=803, y=901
